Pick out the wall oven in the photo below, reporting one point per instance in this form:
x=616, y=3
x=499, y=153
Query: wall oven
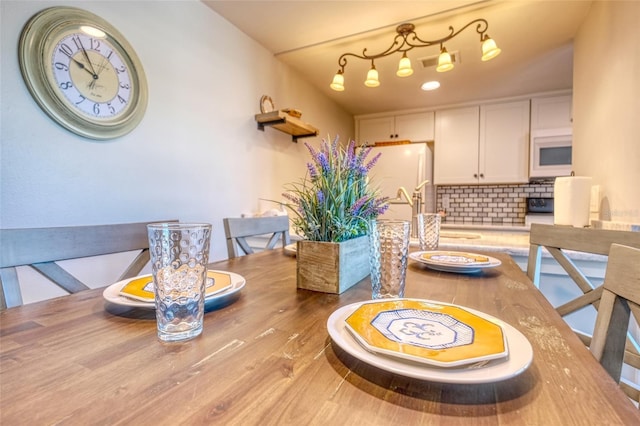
x=550, y=154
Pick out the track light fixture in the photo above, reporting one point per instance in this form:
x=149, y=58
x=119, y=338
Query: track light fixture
x=405, y=40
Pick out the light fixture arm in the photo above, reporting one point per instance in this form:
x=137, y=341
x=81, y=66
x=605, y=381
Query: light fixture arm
x=481, y=29
x=406, y=39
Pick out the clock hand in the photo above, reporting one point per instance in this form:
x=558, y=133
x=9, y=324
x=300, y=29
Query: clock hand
x=101, y=65
x=81, y=65
x=86, y=56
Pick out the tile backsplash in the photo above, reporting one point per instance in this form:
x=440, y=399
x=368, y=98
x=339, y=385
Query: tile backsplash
x=489, y=204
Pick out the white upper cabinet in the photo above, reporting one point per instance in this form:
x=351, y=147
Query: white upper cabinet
x=456, y=146
x=416, y=127
x=488, y=144
x=371, y=130
x=553, y=112
x=504, y=143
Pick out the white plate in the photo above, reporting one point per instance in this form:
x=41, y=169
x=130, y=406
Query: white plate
x=451, y=265
x=519, y=359
x=112, y=293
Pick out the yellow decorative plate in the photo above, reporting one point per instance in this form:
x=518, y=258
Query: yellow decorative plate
x=455, y=261
x=141, y=288
x=436, y=334
x=455, y=258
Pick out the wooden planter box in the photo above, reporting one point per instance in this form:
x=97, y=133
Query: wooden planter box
x=332, y=267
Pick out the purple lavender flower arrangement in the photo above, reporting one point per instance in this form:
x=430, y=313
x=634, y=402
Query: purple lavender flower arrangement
x=334, y=202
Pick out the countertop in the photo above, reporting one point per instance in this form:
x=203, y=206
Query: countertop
x=513, y=240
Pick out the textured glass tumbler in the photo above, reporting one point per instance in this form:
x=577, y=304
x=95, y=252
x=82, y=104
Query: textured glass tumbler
x=389, y=248
x=429, y=230
x=179, y=257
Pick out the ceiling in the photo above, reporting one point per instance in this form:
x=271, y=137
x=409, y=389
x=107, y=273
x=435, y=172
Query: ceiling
x=535, y=37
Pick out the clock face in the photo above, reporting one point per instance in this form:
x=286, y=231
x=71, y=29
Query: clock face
x=93, y=79
x=83, y=73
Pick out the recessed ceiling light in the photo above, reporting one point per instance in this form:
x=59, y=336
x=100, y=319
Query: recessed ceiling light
x=430, y=85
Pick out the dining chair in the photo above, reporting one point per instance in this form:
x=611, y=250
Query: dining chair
x=619, y=303
x=558, y=240
x=238, y=231
x=42, y=248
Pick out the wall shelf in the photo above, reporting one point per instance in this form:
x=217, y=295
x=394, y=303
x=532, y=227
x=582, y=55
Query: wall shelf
x=286, y=123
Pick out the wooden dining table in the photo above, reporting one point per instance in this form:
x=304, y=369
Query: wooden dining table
x=266, y=358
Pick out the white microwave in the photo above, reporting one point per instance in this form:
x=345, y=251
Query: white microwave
x=550, y=154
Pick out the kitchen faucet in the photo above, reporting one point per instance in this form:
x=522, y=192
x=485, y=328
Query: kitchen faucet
x=416, y=205
x=417, y=208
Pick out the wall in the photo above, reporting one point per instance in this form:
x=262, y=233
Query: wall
x=200, y=118
x=489, y=204
x=205, y=81
x=606, y=106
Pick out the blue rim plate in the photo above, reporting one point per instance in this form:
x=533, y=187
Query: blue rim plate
x=519, y=358
x=112, y=294
x=454, y=261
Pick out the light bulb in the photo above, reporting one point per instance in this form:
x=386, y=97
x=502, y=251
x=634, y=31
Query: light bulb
x=444, y=61
x=338, y=82
x=372, y=78
x=404, y=66
x=489, y=49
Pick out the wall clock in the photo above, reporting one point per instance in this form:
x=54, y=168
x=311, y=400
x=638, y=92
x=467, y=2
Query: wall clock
x=83, y=73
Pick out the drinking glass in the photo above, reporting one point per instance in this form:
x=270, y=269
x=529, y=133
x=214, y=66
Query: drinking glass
x=389, y=248
x=179, y=257
x=429, y=230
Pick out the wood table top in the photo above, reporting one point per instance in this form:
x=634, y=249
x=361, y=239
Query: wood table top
x=267, y=359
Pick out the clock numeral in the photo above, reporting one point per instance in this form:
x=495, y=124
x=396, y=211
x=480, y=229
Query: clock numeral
x=125, y=86
x=95, y=44
x=112, y=110
x=65, y=49
x=66, y=85
x=122, y=100
x=120, y=69
x=82, y=99
x=96, y=109
x=77, y=42
x=61, y=66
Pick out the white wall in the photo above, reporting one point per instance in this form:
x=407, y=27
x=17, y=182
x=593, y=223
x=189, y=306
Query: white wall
x=205, y=81
x=606, y=106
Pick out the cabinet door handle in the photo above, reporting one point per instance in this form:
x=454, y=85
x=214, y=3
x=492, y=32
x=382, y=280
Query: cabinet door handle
x=391, y=136
x=482, y=175
x=396, y=135
x=475, y=175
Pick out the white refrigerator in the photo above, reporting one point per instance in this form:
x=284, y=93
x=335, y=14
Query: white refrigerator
x=404, y=166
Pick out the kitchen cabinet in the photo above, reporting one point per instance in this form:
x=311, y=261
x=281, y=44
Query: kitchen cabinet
x=552, y=112
x=456, y=146
x=504, y=143
x=485, y=144
x=416, y=127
